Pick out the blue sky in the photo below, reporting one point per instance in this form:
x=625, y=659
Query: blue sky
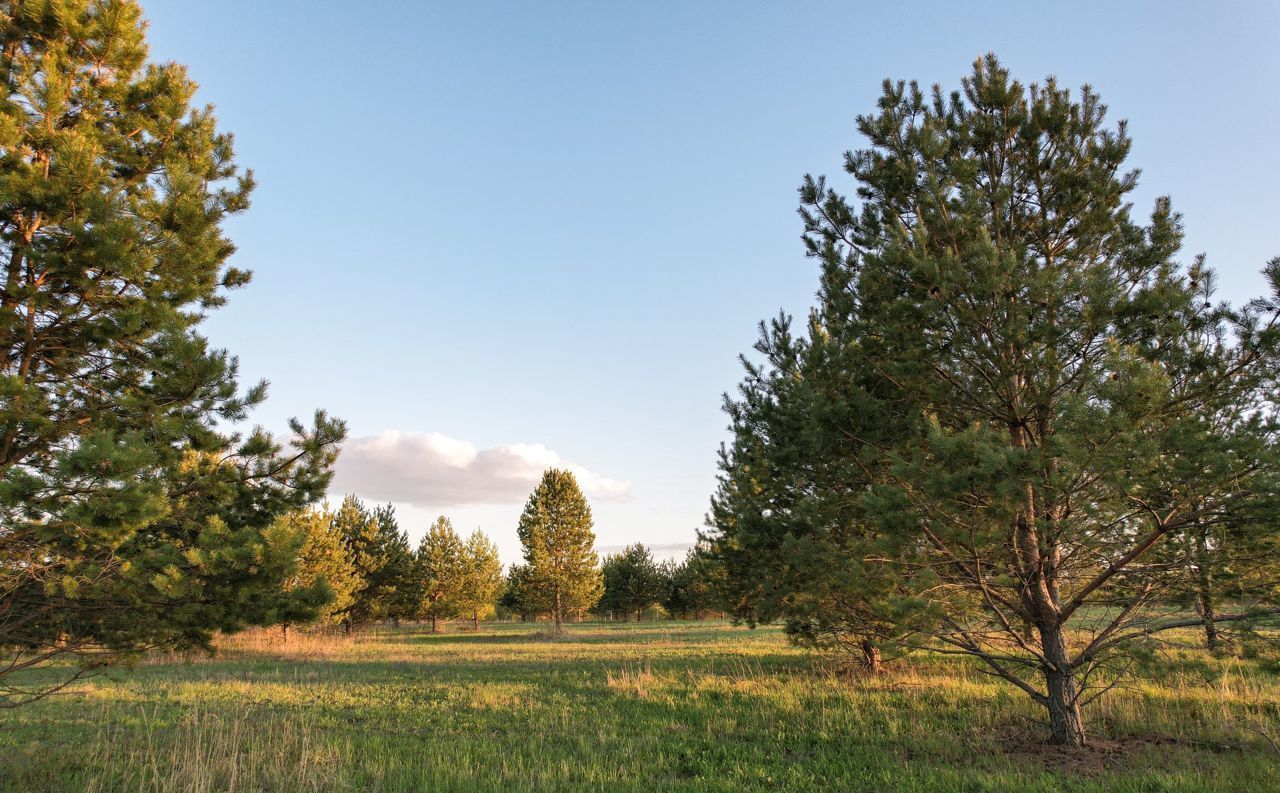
x=496, y=235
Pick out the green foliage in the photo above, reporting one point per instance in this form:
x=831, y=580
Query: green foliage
x=128, y=518
x=1010, y=407
x=632, y=582
x=692, y=584
x=481, y=577
x=559, y=546
x=440, y=564
x=520, y=596
x=324, y=559
x=385, y=565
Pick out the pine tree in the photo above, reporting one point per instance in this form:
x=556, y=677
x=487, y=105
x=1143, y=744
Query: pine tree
x=128, y=517
x=404, y=585
x=323, y=559
x=441, y=571
x=383, y=560
x=790, y=488
x=481, y=577
x=520, y=596
x=1020, y=398
x=559, y=546
x=692, y=584
x=632, y=582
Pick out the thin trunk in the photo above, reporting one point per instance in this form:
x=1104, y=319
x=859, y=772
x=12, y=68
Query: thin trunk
x=435, y=628
x=475, y=619
x=871, y=657
x=559, y=614
x=1065, y=724
x=1209, y=616
x=284, y=632
x=1204, y=595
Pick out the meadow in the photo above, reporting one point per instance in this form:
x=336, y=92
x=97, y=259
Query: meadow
x=651, y=706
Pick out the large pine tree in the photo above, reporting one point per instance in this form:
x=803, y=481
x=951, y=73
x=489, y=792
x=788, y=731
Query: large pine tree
x=559, y=546
x=128, y=518
x=1014, y=411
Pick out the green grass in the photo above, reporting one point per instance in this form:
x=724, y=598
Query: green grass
x=649, y=707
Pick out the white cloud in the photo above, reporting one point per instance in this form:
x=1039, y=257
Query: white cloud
x=434, y=470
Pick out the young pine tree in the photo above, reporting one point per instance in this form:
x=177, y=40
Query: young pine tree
x=559, y=546
x=441, y=572
x=691, y=584
x=481, y=577
x=520, y=596
x=383, y=561
x=323, y=559
x=129, y=518
x=632, y=582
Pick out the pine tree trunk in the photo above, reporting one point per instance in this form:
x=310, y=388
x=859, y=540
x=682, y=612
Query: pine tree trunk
x=435, y=628
x=559, y=614
x=1066, y=727
x=871, y=657
x=1209, y=617
x=1204, y=595
x=284, y=632
x=475, y=620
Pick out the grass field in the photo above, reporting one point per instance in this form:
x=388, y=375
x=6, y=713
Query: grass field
x=634, y=707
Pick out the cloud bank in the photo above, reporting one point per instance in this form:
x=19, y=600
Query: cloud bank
x=434, y=470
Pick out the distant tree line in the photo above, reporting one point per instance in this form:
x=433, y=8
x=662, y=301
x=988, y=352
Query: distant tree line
x=372, y=574
x=635, y=585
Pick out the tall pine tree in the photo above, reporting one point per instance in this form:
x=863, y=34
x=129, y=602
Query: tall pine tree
x=128, y=518
x=559, y=546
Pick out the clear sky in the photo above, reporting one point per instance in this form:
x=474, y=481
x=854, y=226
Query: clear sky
x=494, y=236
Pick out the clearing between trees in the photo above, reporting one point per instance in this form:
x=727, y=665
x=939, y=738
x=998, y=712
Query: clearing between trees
x=698, y=706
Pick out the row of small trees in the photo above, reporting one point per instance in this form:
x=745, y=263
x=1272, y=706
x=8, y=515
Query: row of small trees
x=634, y=583
x=563, y=577
x=366, y=561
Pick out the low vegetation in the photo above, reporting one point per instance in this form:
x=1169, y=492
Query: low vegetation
x=621, y=706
